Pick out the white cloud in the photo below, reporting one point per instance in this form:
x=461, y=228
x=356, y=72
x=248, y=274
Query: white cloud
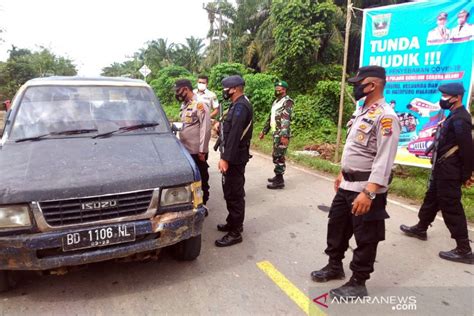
x=97, y=33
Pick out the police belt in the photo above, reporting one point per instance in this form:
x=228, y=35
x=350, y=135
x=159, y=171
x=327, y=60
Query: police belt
x=356, y=176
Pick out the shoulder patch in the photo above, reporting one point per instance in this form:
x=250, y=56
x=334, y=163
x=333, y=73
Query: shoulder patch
x=387, y=126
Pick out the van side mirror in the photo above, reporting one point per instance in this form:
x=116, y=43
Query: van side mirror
x=176, y=127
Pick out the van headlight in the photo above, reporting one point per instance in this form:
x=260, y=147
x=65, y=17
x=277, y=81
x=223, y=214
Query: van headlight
x=14, y=216
x=177, y=195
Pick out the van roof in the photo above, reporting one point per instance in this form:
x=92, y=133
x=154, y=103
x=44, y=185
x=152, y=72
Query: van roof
x=86, y=81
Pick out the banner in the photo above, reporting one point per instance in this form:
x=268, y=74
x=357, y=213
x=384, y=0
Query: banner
x=421, y=45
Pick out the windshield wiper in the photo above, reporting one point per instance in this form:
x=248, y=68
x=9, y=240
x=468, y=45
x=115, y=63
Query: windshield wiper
x=66, y=132
x=127, y=129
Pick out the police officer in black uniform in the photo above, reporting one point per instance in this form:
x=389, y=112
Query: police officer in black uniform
x=452, y=167
x=234, y=146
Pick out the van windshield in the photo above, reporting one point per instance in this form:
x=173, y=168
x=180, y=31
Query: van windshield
x=55, y=109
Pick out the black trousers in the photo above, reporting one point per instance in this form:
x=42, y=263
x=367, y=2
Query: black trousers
x=343, y=224
x=234, y=194
x=203, y=167
x=444, y=195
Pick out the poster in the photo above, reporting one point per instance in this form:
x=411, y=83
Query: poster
x=421, y=45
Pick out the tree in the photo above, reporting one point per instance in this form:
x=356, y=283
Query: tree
x=301, y=29
x=23, y=65
x=189, y=55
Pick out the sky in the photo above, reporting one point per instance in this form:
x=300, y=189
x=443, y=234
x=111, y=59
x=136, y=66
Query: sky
x=94, y=34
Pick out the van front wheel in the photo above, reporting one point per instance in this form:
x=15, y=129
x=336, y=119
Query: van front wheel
x=188, y=249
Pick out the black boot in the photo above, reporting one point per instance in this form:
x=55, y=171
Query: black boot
x=227, y=228
x=352, y=289
x=272, y=179
x=462, y=253
x=231, y=238
x=414, y=231
x=329, y=272
x=278, y=183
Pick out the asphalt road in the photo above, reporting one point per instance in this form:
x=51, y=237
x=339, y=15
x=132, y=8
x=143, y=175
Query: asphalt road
x=284, y=240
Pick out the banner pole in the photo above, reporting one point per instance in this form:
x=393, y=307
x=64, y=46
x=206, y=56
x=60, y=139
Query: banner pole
x=343, y=80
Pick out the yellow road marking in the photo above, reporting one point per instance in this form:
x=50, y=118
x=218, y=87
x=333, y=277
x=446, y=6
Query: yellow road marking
x=308, y=307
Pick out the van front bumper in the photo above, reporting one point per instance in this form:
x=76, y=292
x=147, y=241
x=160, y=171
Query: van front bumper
x=43, y=251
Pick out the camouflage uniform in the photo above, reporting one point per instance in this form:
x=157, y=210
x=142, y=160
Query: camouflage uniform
x=278, y=123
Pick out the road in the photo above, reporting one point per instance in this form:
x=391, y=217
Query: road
x=284, y=240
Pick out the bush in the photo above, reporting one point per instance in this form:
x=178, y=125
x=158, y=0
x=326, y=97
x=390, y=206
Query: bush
x=220, y=71
x=260, y=90
x=327, y=94
x=309, y=124
x=165, y=80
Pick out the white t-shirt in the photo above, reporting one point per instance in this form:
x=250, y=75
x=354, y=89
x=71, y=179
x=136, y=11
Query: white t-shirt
x=207, y=97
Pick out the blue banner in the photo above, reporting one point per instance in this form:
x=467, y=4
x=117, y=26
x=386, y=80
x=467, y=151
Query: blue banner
x=421, y=45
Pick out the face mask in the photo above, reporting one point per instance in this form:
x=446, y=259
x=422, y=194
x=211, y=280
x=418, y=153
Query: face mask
x=226, y=94
x=202, y=86
x=180, y=96
x=445, y=104
x=277, y=93
x=359, y=91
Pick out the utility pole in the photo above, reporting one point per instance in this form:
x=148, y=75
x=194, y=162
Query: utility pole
x=220, y=33
x=343, y=80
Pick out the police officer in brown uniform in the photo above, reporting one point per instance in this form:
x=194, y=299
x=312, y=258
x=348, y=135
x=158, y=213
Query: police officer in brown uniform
x=361, y=188
x=196, y=132
x=452, y=167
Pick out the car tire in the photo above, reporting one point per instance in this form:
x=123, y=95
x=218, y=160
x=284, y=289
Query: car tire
x=188, y=249
x=6, y=281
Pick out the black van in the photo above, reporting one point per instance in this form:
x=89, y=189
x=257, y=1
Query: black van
x=90, y=170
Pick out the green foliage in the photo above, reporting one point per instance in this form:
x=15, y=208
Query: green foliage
x=220, y=71
x=327, y=94
x=23, y=65
x=300, y=29
x=309, y=124
x=260, y=90
x=166, y=78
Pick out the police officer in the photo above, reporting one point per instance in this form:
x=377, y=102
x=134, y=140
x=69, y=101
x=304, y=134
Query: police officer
x=278, y=123
x=452, y=167
x=235, y=145
x=361, y=187
x=196, y=131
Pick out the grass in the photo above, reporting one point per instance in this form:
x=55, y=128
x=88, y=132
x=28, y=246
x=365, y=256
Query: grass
x=409, y=182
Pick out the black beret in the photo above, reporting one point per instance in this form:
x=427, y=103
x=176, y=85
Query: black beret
x=233, y=81
x=183, y=83
x=453, y=88
x=368, y=71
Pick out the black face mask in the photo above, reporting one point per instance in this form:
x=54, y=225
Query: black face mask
x=180, y=96
x=445, y=104
x=359, y=91
x=278, y=93
x=226, y=94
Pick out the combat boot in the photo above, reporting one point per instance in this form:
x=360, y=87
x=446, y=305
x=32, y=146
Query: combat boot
x=278, y=183
x=329, y=272
x=462, y=253
x=272, y=179
x=414, y=231
x=352, y=289
x=231, y=238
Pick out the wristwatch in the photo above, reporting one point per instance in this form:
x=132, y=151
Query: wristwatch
x=370, y=195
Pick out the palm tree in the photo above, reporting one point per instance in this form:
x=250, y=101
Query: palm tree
x=189, y=55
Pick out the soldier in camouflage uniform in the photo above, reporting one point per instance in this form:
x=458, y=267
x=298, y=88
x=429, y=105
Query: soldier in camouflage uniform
x=278, y=123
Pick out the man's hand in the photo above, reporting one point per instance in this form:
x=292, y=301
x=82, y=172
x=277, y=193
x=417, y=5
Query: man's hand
x=261, y=135
x=338, y=181
x=284, y=141
x=202, y=156
x=223, y=166
x=361, y=204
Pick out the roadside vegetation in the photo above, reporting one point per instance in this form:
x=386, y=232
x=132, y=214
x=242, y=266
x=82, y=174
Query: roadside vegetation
x=298, y=41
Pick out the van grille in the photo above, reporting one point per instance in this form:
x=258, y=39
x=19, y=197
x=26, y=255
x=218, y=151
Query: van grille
x=92, y=209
